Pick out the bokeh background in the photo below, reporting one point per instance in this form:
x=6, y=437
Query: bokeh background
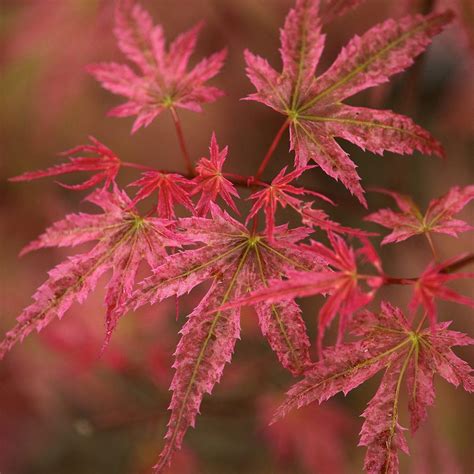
x=64, y=409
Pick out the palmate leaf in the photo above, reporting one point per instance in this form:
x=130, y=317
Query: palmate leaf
x=314, y=106
x=164, y=81
x=235, y=261
x=280, y=191
x=386, y=342
x=172, y=189
x=438, y=218
x=124, y=240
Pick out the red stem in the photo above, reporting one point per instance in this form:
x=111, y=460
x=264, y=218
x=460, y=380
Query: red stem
x=387, y=280
x=255, y=180
x=245, y=181
x=271, y=150
x=182, y=143
x=432, y=247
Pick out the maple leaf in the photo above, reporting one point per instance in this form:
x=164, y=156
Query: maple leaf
x=314, y=106
x=386, y=341
x=171, y=190
x=439, y=216
x=106, y=163
x=279, y=192
x=124, y=240
x=340, y=280
x=210, y=181
x=430, y=285
x=165, y=81
x=235, y=261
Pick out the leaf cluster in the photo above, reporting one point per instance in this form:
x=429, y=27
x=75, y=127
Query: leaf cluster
x=268, y=268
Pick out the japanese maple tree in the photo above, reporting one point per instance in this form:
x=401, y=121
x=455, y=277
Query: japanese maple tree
x=200, y=231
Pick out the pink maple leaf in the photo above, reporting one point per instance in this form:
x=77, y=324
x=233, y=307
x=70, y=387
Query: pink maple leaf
x=439, y=216
x=124, y=240
x=106, y=163
x=431, y=285
x=341, y=280
x=386, y=341
x=210, y=181
x=234, y=260
x=165, y=81
x=172, y=189
x=280, y=192
x=313, y=106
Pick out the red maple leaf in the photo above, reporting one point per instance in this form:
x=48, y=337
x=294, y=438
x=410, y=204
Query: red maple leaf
x=313, y=105
x=165, y=81
x=430, y=285
x=210, y=181
x=386, y=342
x=439, y=217
x=172, y=189
x=106, y=163
x=340, y=280
x=280, y=192
x=235, y=261
x=124, y=240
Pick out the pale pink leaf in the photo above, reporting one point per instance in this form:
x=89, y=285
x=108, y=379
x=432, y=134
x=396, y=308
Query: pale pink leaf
x=124, y=240
x=206, y=345
x=313, y=105
x=385, y=340
x=166, y=80
x=439, y=216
